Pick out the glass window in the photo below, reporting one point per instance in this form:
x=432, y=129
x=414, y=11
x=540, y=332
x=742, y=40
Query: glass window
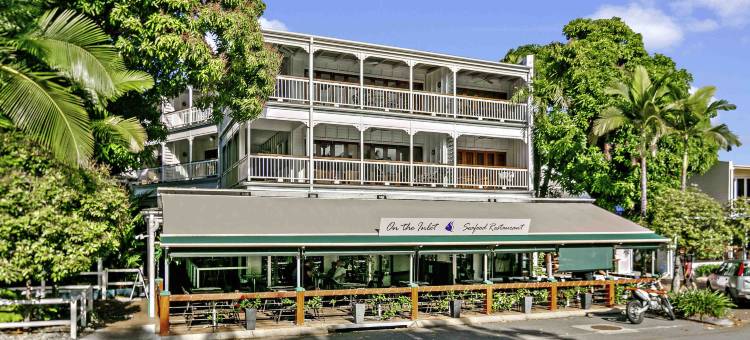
x=352, y=151
x=741, y=187
x=392, y=154
x=339, y=150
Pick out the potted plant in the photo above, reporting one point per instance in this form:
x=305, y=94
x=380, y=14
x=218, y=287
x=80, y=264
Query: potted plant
x=251, y=312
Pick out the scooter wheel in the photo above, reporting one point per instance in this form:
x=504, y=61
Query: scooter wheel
x=669, y=309
x=632, y=311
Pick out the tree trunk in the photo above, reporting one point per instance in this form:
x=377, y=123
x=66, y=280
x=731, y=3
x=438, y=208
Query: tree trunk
x=677, y=277
x=644, y=184
x=544, y=188
x=683, y=183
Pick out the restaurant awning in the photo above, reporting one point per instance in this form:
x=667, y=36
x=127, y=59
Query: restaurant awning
x=222, y=221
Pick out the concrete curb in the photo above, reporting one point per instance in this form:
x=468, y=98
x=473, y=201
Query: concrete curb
x=425, y=323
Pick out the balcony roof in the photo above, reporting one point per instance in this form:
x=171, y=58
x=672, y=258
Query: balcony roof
x=389, y=52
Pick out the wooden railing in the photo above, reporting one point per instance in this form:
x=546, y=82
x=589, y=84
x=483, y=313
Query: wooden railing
x=415, y=297
x=186, y=117
x=283, y=168
x=340, y=94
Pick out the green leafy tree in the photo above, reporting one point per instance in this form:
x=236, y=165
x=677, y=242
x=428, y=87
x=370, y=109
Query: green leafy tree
x=738, y=218
x=595, y=54
x=641, y=108
x=55, y=219
x=691, y=123
x=694, y=218
x=59, y=72
x=215, y=45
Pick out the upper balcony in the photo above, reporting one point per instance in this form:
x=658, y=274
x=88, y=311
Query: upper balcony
x=336, y=74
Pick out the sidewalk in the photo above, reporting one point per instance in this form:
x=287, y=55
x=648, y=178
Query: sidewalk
x=323, y=329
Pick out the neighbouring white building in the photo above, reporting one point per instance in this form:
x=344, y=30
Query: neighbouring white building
x=725, y=181
x=403, y=166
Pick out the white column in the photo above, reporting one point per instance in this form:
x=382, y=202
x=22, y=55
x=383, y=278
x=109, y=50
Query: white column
x=411, y=269
x=190, y=96
x=455, y=101
x=653, y=262
x=484, y=271
x=454, y=267
x=151, y=231
x=361, y=80
x=529, y=61
x=268, y=272
x=548, y=259
x=299, y=271
x=455, y=161
x=362, y=155
x=166, y=268
x=310, y=124
x=534, y=262
x=163, y=152
x=411, y=86
x=190, y=149
x=249, y=148
x=411, y=158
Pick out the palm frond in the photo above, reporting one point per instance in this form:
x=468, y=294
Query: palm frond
x=74, y=45
x=126, y=132
x=610, y=119
x=724, y=137
x=48, y=112
x=129, y=80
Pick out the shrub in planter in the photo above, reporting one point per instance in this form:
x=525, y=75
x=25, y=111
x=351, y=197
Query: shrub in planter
x=701, y=303
x=705, y=270
x=250, y=307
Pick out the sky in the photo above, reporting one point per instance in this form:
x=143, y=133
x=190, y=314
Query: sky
x=709, y=38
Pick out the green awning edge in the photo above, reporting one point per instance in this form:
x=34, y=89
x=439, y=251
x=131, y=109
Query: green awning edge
x=364, y=240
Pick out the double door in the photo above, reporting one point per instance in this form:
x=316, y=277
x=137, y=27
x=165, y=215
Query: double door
x=482, y=158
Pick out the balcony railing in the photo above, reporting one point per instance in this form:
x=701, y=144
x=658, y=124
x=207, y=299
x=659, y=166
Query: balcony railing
x=281, y=168
x=186, y=117
x=337, y=94
x=176, y=172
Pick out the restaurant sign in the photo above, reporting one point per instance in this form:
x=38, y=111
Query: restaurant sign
x=452, y=226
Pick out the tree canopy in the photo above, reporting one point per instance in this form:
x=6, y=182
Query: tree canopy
x=696, y=219
x=55, y=219
x=570, y=91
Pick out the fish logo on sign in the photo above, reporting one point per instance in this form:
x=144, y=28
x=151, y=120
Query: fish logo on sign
x=449, y=227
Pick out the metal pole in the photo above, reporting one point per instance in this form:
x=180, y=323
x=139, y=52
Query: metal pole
x=268, y=272
x=99, y=280
x=150, y=262
x=485, y=267
x=299, y=271
x=454, y=268
x=653, y=262
x=411, y=269
x=166, y=268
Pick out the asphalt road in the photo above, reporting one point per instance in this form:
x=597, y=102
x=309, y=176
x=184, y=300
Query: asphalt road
x=592, y=327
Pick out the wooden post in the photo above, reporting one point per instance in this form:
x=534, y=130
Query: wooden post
x=611, y=294
x=164, y=313
x=157, y=292
x=553, y=297
x=488, y=301
x=299, y=315
x=414, y=303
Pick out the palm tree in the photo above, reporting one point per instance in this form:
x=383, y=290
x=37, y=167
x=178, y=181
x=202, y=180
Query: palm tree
x=641, y=107
x=692, y=121
x=51, y=74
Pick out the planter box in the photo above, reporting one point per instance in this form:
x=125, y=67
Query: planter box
x=586, y=301
x=251, y=315
x=359, y=312
x=528, y=302
x=454, y=309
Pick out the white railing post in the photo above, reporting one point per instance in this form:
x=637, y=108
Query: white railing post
x=455, y=161
x=455, y=98
x=73, y=318
x=411, y=158
x=411, y=86
x=361, y=96
x=362, y=155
